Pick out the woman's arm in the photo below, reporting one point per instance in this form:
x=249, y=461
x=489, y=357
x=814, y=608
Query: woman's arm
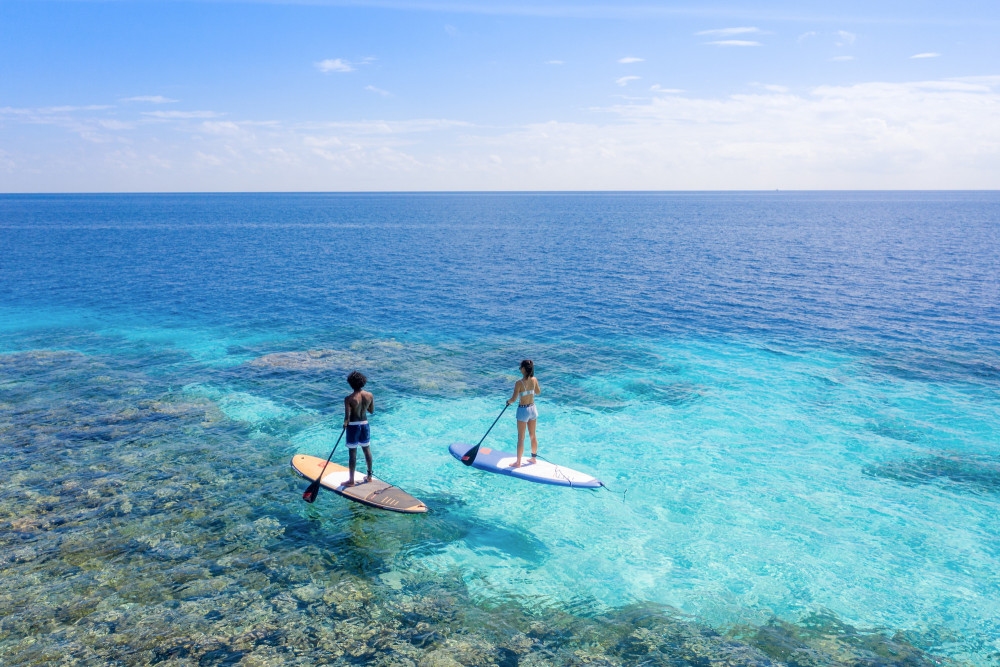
x=513, y=396
x=538, y=387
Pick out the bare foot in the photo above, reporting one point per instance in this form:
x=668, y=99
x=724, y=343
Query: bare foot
x=349, y=483
x=367, y=479
x=515, y=464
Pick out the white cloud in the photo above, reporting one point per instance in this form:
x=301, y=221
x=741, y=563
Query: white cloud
x=630, y=59
x=845, y=38
x=555, y=62
x=451, y=30
x=204, y=159
x=44, y=111
x=386, y=127
x=6, y=163
x=152, y=99
x=181, y=115
x=728, y=32
x=733, y=42
x=926, y=55
x=624, y=81
x=113, y=124
x=334, y=65
x=985, y=83
x=806, y=35
x=935, y=134
x=221, y=128
x=838, y=59
x=874, y=135
x=657, y=88
x=383, y=93
x=70, y=109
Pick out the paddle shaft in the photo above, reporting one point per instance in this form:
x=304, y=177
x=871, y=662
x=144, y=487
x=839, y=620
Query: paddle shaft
x=313, y=490
x=470, y=456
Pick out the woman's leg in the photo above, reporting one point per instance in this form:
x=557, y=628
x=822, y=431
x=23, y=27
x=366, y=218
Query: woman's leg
x=534, y=440
x=520, y=443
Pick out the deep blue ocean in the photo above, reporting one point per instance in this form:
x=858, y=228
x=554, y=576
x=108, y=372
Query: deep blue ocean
x=793, y=398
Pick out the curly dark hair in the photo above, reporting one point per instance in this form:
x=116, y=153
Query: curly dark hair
x=357, y=380
x=529, y=366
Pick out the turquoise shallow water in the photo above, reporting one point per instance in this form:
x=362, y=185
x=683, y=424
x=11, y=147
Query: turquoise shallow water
x=794, y=404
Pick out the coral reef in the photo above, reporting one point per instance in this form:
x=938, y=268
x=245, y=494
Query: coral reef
x=124, y=540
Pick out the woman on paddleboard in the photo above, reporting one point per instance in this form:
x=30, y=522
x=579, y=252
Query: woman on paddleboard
x=525, y=391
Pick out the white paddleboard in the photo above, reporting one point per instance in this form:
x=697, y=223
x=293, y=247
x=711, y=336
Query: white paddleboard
x=543, y=472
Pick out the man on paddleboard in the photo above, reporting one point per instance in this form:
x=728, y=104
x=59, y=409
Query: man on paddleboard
x=357, y=406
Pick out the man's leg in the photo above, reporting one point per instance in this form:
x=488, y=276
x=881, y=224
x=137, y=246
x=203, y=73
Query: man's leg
x=368, y=461
x=352, y=462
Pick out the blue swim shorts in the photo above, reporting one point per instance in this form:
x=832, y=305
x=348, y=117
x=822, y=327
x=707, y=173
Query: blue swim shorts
x=358, y=434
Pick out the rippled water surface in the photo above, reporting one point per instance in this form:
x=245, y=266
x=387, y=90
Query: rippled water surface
x=793, y=398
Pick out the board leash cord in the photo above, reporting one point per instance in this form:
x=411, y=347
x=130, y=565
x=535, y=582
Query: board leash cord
x=558, y=469
x=603, y=485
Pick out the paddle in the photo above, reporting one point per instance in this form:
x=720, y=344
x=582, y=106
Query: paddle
x=313, y=490
x=470, y=455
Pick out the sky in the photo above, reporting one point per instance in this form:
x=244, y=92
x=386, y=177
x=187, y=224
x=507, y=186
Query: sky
x=328, y=95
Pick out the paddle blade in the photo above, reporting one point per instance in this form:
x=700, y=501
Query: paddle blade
x=470, y=456
x=311, y=493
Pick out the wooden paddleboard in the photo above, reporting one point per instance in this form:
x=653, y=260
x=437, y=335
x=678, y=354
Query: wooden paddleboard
x=374, y=493
x=541, y=471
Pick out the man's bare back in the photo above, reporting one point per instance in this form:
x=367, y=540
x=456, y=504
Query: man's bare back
x=357, y=405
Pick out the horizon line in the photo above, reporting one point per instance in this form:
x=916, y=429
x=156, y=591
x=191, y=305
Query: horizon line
x=487, y=192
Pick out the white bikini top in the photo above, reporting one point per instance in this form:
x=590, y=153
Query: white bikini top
x=530, y=392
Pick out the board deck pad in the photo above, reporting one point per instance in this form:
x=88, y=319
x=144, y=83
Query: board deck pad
x=540, y=471
x=374, y=493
